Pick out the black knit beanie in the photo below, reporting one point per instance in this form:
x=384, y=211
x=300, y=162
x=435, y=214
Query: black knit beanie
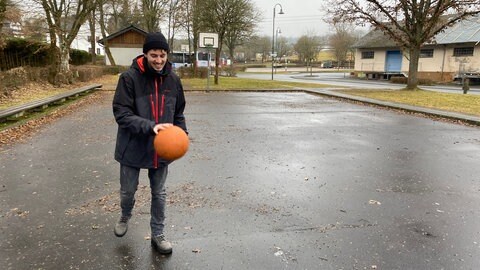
x=155, y=41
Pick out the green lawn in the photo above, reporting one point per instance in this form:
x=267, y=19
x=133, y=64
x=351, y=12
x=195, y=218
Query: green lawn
x=468, y=104
x=233, y=83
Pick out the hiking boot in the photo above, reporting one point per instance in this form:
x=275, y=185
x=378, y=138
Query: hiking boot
x=121, y=227
x=161, y=245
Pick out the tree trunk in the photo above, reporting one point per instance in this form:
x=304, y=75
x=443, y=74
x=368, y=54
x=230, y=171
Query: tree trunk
x=64, y=59
x=195, y=32
x=3, y=8
x=231, y=69
x=190, y=39
x=412, y=81
x=55, y=15
x=109, y=55
x=171, y=24
x=93, y=38
x=195, y=56
x=53, y=57
x=104, y=36
x=217, y=62
x=231, y=52
x=60, y=69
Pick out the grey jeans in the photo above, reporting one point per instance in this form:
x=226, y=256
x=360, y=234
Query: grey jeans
x=128, y=186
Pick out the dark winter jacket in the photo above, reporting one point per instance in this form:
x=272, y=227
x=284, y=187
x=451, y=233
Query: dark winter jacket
x=142, y=99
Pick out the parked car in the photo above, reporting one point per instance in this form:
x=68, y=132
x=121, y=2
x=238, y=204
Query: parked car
x=327, y=64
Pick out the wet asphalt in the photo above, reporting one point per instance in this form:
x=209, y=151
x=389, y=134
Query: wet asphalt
x=271, y=181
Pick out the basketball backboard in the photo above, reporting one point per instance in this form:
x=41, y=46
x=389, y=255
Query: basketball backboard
x=184, y=48
x=208, y=40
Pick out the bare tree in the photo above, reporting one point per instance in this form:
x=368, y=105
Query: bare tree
x=111, y=15
x=34, y=28
x=103, y=6
x=64, y=18
x=342, y=41
x=237, y=34
x=3, y=9
x=264, y=47
x=93, y=33
x=194, y=18
x=222, y=17
x=410, y=23
x=307, y=48
x=283, y=47
x=183, y=15
x=258, y=45
x=176, y=12
x=124, y=14
x=180, y=19
x=153, y=10
x=185, y=22
x=121, y=13
x=9, y=11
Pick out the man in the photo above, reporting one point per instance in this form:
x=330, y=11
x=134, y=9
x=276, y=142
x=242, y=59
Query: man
x=149, y=98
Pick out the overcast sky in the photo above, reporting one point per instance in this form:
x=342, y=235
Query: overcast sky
x=301, y=17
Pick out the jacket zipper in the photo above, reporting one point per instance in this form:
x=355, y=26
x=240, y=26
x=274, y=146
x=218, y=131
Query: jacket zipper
x=157, y=111
x=162, y=106
x=155, y=156
x=152, y=104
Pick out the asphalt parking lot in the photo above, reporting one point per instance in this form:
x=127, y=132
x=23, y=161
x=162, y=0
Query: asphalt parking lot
x=271, y=181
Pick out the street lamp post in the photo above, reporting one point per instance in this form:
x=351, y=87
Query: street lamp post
x=277, y=47
x=273, y=35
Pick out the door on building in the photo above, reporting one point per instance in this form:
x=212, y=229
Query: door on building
x=393, y=63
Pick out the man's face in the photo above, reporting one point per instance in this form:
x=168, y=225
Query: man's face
x=156, y=58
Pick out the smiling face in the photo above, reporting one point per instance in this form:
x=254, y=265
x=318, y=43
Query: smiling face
x=156, y=58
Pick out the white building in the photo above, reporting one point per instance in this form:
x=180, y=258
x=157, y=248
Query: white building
x=454, y=52
x=82, y=41
x=125, y=45
x=12, y=29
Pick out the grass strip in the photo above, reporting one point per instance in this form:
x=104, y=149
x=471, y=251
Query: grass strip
x=234, y=83
x=460, y=103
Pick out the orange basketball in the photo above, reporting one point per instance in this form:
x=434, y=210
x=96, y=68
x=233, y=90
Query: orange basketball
x=171, y=143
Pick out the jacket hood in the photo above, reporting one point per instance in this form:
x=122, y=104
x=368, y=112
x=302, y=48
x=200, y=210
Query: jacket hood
x=140, y=63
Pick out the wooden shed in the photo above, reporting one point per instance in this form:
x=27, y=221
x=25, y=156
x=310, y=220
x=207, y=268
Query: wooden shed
x=125, y=45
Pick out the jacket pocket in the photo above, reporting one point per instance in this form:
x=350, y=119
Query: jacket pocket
x=123, y=141
x=169, y=109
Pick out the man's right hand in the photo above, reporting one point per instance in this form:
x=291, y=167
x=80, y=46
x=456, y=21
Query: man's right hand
x=159, y=127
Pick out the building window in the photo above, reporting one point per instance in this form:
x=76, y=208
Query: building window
x=463, y=51
x=426, y=53
x=368, y=54
x=98, y=50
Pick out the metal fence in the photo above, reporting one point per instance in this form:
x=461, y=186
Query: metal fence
x=9, y=60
